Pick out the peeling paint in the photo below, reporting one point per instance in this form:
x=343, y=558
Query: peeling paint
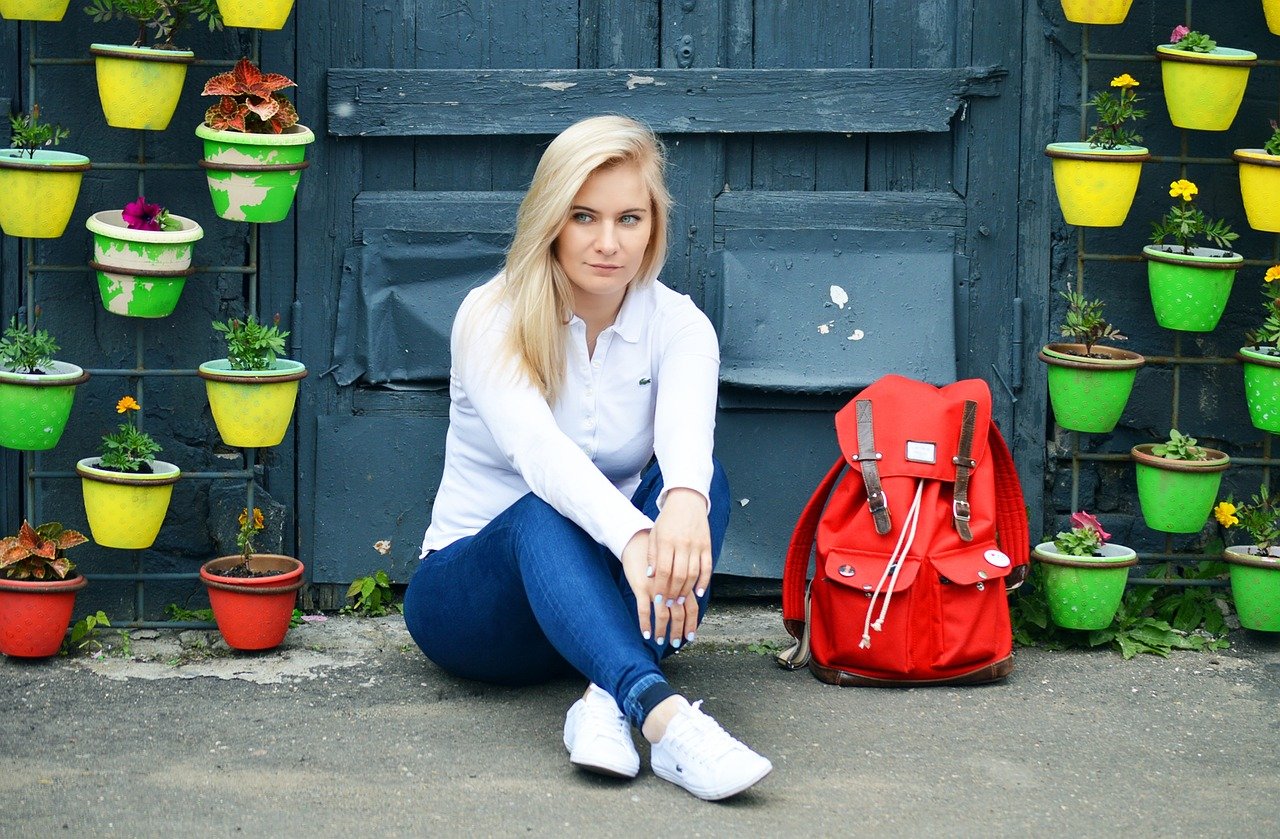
x=857, y=335
x=382, y=546
x=557, y=86
x=839, y=296
x=633, y=81
x=824, y=328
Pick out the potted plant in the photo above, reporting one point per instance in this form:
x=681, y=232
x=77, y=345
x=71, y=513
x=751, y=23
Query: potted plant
x=40, y=186
x=1260, y=359
x=1089, y=384
x=139, y=84
x=1096, y=180
x=36, y=392
x=252, y=391
x=1096, y=11
x=254, y=146
x=1255, y=569
x=33, y=9
x=1178, y=481
x=37, y=589
x=252, y=595
x=1083, y=575
x=126, y=491
x=1260, y=182
x=1203, y=82
x=255, y=14
x=1190, y=285
x=143, y=257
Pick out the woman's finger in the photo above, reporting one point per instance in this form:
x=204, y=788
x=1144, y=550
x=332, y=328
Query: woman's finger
x=677, y=623
x=661, y=617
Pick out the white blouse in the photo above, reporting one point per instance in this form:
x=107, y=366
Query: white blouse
x=649, y=388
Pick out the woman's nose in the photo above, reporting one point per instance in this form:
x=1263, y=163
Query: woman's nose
x=607, y=240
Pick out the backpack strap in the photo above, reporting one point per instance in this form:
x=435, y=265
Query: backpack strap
x=965, y=465
x=796, y=570
x=1011, y=508
x=868, y=457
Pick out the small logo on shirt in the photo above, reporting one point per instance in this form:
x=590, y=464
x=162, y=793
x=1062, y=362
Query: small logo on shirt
x=645, y=381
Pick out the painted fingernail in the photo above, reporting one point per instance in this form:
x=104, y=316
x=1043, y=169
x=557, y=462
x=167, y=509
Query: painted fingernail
x=657, y=598
x=701, y=592
x=675, y=642
x=680, y=600
x=692, y=636
x=648, y=572
x=645, y=634
x=661, y=641
x=670, y=603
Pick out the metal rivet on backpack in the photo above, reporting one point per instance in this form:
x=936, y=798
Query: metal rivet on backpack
x=982, y=574
x=845, y=570
x=982, y=586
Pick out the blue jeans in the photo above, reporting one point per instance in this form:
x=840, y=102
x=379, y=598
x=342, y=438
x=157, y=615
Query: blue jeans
x=532, y=596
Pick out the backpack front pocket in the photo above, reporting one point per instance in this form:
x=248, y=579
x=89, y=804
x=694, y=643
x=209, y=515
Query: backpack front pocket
x=847, y=613
x=973, y=612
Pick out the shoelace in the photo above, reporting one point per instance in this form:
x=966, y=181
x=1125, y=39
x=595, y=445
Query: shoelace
x=606, y=713
x=706, y=741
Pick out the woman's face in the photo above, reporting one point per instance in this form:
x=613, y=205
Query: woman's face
x=606, y=235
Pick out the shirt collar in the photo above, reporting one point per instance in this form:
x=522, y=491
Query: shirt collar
x=631, y=316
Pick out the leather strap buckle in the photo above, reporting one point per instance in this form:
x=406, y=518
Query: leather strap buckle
x=960, y=510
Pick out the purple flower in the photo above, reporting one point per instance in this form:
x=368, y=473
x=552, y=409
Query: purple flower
x=139, y=215
x=1089, y=522
x=1179, y=32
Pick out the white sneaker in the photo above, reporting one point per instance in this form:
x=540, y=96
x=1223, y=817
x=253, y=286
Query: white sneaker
x=699, y=755
x=598, y=736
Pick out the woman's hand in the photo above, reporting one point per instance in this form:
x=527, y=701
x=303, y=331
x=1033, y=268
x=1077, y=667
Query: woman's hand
x=680, y=556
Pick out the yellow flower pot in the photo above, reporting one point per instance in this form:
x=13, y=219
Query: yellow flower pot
x=1096, y=11
x=1095, y=186
x=1260, y=187
x=39, y=193
x=252, y=408
x=1204, y=90
x=139, y=87
x=1271, y=8
x=255, y=14
x=125, y=510
x=33, y=9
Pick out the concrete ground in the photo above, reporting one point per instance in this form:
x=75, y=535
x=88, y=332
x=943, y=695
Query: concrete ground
x=347, y=730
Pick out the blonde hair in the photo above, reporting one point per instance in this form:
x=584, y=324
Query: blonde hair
x=536, y=288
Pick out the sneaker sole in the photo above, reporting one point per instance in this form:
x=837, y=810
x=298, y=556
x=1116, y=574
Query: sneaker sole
x=609, y=770
x=710, y=795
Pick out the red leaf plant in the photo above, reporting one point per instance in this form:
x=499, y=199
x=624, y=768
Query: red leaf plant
x=39, y=552
x=249, y=101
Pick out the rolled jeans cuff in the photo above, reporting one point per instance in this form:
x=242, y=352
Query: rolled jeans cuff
x=644, y=695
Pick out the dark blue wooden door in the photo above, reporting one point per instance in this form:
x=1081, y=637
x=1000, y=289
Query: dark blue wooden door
x=845, y=209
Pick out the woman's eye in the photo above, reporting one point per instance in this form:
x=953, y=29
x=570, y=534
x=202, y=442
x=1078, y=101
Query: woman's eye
x=582, y=218
x=630, y=220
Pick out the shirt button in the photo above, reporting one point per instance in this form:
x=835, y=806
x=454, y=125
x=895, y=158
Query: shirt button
x=590, y=393
x=595, y=364
x=589, y=423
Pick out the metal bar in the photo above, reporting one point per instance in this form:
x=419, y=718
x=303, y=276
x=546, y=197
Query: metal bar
x=88, y=62
x=1177, y=379
x=143, y=166
x=173, y=575
x=1116, y=457
x=136, y=624
x=199, y=269
x=1176, y=583
x=1128, y=257
x=140, y=374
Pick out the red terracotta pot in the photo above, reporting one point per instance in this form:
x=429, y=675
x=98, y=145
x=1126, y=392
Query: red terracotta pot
x=35, y=614
x=253, y=613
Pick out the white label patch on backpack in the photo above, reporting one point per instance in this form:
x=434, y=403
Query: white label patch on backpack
x=922, y=452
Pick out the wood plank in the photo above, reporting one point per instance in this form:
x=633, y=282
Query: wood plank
x=444, y=212
x=862, y=210
x=400, y=103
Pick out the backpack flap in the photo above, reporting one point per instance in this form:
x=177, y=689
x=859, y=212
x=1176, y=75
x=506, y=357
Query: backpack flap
x=973, y=565
x=863, y=570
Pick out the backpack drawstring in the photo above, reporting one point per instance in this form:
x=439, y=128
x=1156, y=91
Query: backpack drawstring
x=905, y=538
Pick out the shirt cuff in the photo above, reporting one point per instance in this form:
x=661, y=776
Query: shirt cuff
x=621, y=535
x=662, y=496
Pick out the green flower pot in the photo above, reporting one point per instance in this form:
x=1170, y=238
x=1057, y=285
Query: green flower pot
x=1089, y=393
x=1262, y=388
x=254, y=177
x=1177, y=495
x=1084, y=592
x=1255, y=587
x=1189, y=291
x=34, y=407
x=141, y=273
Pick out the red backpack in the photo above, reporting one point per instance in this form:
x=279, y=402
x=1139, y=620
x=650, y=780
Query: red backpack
x=914, y=546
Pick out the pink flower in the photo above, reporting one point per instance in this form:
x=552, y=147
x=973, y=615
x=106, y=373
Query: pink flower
x=1179, y=32
x=1089, y=522
x=139, y=215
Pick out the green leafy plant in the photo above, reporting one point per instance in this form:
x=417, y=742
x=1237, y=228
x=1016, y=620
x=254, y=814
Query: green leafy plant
x=1188, y=40
x=1259, y=517
x=1179, y=447
x=249, y=102
x=767, y=647
x=250, y=526
x=1084, y=322
x=30, y=134
x=1114, y=111
x=39, y=553
x=372, y=596
x=174, y=612
x=1272, y=146
x=84, y=632
x=1184, y=222
x=26, y=349
x=166, y=17
x=252, y=345
x=1151, y=619
x=1267, y=337
x=1085, y=538
x=128, y=447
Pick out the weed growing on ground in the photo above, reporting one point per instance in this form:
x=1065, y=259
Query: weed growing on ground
x=84, y=633
x=372, y=597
